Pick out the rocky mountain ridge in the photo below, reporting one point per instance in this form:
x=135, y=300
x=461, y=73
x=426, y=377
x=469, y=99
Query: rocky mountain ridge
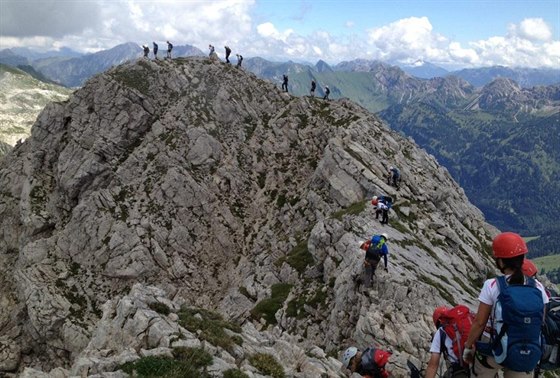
x=191, y=182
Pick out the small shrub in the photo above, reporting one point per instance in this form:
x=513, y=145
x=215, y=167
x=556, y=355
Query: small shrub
x=210, y=324
x=197, y=357
x=268, y=307
x=160, y=308
x=354, y=209
x=267, y=365
x=158, y=366
x=299, y=257
x=234, y=373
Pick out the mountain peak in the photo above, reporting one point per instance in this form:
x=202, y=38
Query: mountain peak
x=194, y=177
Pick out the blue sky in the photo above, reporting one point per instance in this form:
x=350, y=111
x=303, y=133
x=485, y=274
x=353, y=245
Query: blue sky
x=451, y=33
x=461, y=20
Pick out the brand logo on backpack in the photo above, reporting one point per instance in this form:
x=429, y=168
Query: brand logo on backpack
x=518, y=316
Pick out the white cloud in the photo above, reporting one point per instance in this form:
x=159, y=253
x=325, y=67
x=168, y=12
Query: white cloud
x=267, y=30
x=534, y=29
x=93, y=25
x=526, y=45
x=409, y=39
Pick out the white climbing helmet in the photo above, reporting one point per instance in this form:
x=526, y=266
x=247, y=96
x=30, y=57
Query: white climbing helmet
x=373, y=198
x=385, y=236
x=347, y=356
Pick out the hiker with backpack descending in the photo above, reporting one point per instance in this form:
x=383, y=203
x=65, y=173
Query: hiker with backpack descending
x=169, y=48
x=327, y=92
x=382, y=205
x=453, y=327
x=375, y=248
x=146, y=50
x=155, y=50
x=228, y=52
x=312, y=90
x=394, y=177
x=285, y=83
x=509, y=317
x=368, y=363
x=239, y=60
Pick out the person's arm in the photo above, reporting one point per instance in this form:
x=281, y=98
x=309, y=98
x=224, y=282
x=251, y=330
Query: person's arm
x=477, y=328
x=385, y=260
x=432, y=365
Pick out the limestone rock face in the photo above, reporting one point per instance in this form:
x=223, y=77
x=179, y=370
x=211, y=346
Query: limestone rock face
x=191, y=182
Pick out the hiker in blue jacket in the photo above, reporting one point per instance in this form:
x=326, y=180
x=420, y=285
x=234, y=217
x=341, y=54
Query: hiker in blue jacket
x=394, y=177
x=375, y=248
x=519, y=360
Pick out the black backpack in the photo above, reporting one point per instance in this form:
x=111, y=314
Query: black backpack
x=551, y=333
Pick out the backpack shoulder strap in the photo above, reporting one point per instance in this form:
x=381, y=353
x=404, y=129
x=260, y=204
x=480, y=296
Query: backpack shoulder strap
x=502, y=283
x=442, y=347
x=531, y=282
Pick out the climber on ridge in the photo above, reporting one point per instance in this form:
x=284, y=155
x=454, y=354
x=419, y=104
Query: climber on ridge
x=382, y=205
x=375, y=248
x=394, y=177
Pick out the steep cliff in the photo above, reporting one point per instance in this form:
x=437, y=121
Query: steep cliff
x=206, y=187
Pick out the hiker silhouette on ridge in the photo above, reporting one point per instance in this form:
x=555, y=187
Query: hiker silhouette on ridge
x=169, y=48
x=155, y=50
x=285, y=83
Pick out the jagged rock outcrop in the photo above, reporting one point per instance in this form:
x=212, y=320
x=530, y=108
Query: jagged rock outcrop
x=198, y=179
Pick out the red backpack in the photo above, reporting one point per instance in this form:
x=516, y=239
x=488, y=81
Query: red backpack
x=456, y=323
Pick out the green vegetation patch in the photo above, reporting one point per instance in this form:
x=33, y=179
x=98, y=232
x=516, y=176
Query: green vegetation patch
x=440, y=288
x=234, y=373
x=354, y=209
x=299, y=258
x=211, y=326
x=268, y=307
x=267, y=365
x=313, y=297
x=133, y=79
x=187, y=363
x=160, y=308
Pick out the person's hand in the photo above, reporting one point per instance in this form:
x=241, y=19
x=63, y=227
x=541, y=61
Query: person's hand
x=468, y=355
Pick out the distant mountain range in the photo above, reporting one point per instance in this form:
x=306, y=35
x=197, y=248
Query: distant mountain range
x=71, y=68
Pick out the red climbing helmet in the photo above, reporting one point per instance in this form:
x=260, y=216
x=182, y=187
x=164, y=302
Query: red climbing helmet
x=438, y=312
x=508, y=245
x=528, y=268
x=381, y=357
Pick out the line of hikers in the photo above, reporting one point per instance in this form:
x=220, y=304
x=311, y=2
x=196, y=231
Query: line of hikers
x=327, y=91
x=212, y=54
x=146, y=50
x=515, y=330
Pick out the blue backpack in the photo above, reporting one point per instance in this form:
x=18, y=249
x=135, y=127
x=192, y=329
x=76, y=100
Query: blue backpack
x=518, y=318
